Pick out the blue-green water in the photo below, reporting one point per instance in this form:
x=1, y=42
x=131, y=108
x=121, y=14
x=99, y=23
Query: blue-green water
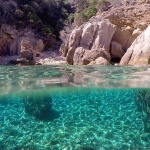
x=74, y=108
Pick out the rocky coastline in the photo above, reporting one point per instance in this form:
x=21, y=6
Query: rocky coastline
x=118, y=34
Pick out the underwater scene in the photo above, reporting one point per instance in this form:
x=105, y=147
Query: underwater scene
x=74, y=108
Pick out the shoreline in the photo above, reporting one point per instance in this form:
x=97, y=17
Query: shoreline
x=49, y=58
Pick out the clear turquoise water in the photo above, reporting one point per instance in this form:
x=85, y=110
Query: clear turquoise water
x=74, y=108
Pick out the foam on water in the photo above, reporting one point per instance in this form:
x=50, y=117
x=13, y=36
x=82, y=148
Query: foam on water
x=102, y=108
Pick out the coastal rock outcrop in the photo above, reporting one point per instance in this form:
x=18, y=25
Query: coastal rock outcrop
x=109, y=34
x=74, y=41
x=88, y=42
x=8, y=37
x=11, y=39
x=125, y=14
x=127, y=20
x=24, y=44
x=30, y=47
x=139, y=51
x=20, y=19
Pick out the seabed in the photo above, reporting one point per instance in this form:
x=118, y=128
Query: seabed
x=80, y=119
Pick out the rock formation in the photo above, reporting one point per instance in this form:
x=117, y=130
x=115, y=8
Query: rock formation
x=139, y=51
x=110, y=34
x=88, y=42
x=21, y=43
x=100, y=61
x=37, y=22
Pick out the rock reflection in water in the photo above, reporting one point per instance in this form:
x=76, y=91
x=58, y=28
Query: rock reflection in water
x=22, y=78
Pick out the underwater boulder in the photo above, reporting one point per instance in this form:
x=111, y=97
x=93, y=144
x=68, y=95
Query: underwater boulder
x=142, y=100
x=39, y=106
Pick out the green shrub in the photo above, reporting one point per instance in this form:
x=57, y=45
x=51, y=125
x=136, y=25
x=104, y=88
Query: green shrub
x=90, y=11
x=71, y=18
x=80, y=18
x=32, y=17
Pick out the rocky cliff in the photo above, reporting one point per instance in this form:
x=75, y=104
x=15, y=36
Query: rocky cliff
x=112, y=35
x=31, y=26
x=45, y=17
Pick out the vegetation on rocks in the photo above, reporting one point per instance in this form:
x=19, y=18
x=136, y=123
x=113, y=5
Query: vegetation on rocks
x=44, y=16
x=47, y=17
x=85, y=9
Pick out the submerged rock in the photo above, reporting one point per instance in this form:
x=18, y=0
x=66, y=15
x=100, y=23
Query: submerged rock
x=142, y=100
x=39, y=105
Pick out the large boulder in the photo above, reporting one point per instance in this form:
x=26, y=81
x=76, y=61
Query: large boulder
x=100, y=61
x=77, y=59
x=26, y=49
x=88, y=34
x=92, y=37
x=28, y=46
x=74, y=41
x=64, y=36
x=139, y=51
x=92, y=55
